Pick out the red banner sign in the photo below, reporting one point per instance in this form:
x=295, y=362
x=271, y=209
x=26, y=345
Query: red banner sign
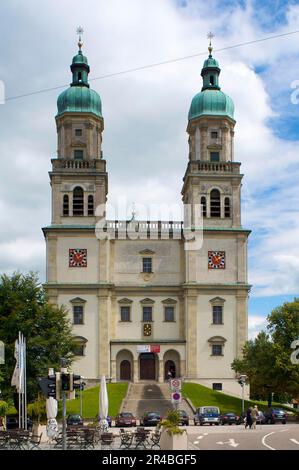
x=155, y=348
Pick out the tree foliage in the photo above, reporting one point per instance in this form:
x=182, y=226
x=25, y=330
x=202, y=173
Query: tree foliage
x=267, y=359
x=24, y=307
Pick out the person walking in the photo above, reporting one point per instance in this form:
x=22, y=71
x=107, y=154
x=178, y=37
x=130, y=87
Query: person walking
x=248, y=421
x=254, y=416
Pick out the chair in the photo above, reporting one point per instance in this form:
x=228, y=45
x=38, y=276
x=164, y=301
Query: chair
x=4, y=438
x=87, y=439
x=106, y=440
x=141, y=438
x=34, y=441
x=155, y=439
x=126, y=439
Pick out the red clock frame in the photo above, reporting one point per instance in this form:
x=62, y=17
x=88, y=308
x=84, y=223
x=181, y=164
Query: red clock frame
x=78, y=258
x=216, y=259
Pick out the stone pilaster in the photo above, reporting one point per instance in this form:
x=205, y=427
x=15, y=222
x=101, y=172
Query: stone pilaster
x=136, y=371
x=191, y=335
x=51, y=258
x=241, y=321
x=161, y=371
x=104, y=343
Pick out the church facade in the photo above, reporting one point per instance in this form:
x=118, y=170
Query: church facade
x=143, y=304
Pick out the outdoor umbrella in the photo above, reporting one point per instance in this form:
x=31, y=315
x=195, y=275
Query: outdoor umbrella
x=103, y=404
x=52, y=408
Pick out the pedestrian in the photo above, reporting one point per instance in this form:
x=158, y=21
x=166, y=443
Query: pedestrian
x=248, y=421
x=254, y=416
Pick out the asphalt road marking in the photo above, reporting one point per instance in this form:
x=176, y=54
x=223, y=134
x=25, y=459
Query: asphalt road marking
x=264, y=439
x=230, y=442
x=295, y=442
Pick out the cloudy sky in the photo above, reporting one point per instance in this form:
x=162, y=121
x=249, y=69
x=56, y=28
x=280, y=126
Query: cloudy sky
x=145, y=143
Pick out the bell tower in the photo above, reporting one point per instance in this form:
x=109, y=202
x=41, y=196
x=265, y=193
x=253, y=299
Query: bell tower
x=212, y=178
x=78, y=176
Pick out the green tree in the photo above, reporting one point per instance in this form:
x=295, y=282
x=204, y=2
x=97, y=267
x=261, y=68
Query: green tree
x=267, y=359
x=24, y=307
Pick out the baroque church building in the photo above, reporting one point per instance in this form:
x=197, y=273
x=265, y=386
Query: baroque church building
x=144, y=306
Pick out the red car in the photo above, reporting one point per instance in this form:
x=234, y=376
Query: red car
x=125, y=419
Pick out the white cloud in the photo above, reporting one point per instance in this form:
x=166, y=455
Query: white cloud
x=145, y=143
x=255, y=325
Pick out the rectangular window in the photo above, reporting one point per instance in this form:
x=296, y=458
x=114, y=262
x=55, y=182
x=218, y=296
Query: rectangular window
x=217, y=386
x=147, y=314
x=214, y=157
x=78, y=154
x=78, y=349
x=125, y=313
x=78, y=132
x=217, y=315
x=78, y=314
x=216, y=350
x=147, y=265
x=169, y=313
x=214, y=134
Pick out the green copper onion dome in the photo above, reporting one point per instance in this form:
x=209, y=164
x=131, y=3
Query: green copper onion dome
x=79, y=98
x=211, y=101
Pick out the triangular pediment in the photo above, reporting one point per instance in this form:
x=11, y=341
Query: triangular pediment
x=125, y=300
x=169, y=301
x=147, y=301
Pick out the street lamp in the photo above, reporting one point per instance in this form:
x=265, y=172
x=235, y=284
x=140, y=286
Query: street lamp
x=241, y=380
x=82, y=385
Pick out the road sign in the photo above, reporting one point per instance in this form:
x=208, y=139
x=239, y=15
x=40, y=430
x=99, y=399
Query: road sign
x=176, y=397
x=175, y=384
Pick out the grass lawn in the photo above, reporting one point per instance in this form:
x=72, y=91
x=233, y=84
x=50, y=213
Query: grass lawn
x=202, y=396
x=116, y=393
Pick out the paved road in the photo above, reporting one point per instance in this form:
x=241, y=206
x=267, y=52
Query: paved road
x=267, y=437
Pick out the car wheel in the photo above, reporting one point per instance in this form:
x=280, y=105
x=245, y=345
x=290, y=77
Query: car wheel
x=283, y=422
x=201, y=424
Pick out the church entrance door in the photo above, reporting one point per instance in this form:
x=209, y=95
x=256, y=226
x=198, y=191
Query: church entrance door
x=147, y=366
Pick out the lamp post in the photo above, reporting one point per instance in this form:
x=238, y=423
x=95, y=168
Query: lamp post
x=82, y=384
x=241, y=380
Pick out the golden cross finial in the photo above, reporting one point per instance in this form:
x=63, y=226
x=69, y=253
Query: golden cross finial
x=210, y=36
x=80, y=32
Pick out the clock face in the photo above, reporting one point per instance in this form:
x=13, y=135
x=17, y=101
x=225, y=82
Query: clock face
x=147, y=329
x=77, y=258
x=216, y=259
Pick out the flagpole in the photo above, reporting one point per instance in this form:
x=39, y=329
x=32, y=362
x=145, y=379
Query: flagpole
x=20, y=404
x=25, y=382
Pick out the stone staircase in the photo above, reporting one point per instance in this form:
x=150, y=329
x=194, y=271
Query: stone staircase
x=150, y=396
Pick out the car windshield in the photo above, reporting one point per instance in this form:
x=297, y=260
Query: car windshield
x=152, y=415
x=75, y=417
x=126, y=415
x=210, y=409
x=230, y=414
x=183, y=413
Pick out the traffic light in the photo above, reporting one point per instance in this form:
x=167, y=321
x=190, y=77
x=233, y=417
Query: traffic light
x=51, y=388
x=73, y=379
x=65, y=382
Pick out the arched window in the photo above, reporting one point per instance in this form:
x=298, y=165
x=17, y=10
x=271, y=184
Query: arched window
x=78, y=201
x=90, y=205
x=203, y=203
x=79, y=345
x=215, y=203
x=227, y=207
x=212, y=82
x=65, y=205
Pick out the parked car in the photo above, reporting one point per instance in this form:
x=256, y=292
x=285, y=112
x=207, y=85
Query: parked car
x=229, y=418
x=275, y=415
x=207, y=415
x=74, y=420
x=150, y=418
x=184, y=418
x=12, y=422
x=125, y=419
x=261, y=418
